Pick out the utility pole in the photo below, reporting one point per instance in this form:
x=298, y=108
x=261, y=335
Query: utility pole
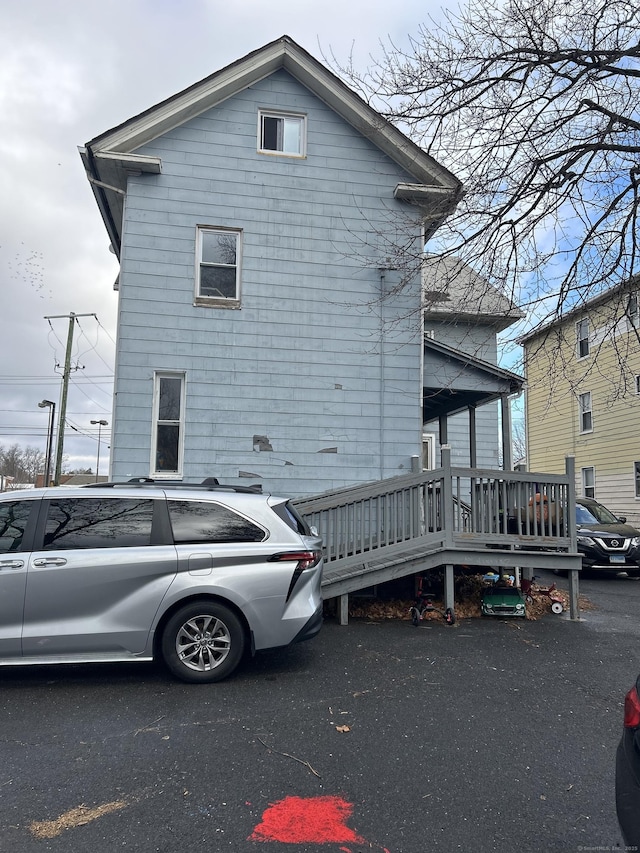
x=62, y=412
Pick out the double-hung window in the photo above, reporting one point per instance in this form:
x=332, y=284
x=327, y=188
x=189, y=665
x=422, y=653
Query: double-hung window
x=218, y=272
x=282, y=133
x=636, y=477
x=633, y=310
x=582, y=338
x=589, y=482
x=586, y=414
x=168, y=424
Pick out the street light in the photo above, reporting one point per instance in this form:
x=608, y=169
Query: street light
x=100, y=425
x=47, y=404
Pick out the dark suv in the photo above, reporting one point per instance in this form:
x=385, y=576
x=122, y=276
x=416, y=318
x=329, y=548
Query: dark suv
x=605, y=541
x=193, y=574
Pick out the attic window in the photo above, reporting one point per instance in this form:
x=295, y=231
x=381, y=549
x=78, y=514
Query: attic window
x=282, y=133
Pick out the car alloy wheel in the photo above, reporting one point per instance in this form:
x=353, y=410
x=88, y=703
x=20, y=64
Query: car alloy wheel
x=203, y=641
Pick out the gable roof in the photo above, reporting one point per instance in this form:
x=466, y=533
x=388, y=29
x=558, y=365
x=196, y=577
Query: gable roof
x=110, y=157
x=454, y=290
x=582, y=307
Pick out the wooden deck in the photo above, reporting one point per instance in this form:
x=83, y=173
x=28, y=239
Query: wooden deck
x=448, y=517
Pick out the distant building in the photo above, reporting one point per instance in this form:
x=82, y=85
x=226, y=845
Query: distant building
x=583, y=397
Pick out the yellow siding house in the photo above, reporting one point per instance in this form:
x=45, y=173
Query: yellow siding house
x=583, y=397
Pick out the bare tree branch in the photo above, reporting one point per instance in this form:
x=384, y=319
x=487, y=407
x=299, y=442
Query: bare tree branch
x=534, y=106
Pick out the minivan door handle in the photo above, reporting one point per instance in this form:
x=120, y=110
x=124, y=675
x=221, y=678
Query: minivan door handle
x=50, y=561
x=11, y=564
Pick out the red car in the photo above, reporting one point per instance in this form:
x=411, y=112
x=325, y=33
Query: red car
x=628, y=770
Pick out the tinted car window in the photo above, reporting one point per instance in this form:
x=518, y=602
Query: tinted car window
x=13, y=521
x=290, y=516
x=98, y=523
x=203, y=521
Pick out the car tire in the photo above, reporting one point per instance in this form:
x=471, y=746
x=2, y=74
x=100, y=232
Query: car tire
x=203, y=642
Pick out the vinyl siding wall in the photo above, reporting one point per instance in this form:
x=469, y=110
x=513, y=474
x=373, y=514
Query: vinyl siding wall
x=479, y=340
x=312, y=359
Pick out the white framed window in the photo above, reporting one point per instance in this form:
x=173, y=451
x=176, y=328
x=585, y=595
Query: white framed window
x=637, y=384
x=282, y=133
x=589, y=482
x=167, y=446
x=582, y=338
x=218, y=266
x=586, y=413
x=633, y=310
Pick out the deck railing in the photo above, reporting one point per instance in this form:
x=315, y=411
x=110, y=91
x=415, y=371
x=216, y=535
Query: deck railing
x=450, y=507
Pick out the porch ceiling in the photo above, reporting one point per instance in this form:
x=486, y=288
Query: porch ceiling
x=453, y=381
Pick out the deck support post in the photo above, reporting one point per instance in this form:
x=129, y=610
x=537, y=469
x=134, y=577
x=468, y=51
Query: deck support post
x=570, y=469
x=449, y=590
x=343, y=609
x=574, y=610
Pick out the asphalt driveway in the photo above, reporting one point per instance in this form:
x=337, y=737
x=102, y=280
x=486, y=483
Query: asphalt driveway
x=485, y=736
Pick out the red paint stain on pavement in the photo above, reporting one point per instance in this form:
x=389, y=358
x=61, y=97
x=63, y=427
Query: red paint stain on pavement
x=311, y=820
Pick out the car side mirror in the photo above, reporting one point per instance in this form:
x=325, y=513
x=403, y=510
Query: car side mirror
x=313, y=530
x=622, y=519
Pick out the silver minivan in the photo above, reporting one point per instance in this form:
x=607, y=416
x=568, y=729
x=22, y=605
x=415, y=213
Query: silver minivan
x=196, y=575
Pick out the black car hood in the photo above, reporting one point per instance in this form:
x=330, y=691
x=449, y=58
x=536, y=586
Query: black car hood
x=610, y=529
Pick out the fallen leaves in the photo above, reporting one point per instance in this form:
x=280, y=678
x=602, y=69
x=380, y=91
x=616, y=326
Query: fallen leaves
x=78, y=816
x=377, y=610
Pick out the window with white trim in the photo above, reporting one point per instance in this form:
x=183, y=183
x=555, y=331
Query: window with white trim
x=636, y=477
x=582, y=338
x=637, y=384
x=168, y=424
x=586, y=414
x=589, y=482
x=633, y=310
x=282, y=133
x=218, y=272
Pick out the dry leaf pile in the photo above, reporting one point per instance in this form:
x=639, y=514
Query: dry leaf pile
x=467, y=604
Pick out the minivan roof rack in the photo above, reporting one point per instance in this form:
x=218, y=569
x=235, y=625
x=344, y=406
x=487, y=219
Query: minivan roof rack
x=209, y=484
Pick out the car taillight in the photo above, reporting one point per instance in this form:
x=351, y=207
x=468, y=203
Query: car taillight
x=632, y=709
x=305, y=560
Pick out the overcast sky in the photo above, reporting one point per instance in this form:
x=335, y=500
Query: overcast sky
x=68, y=72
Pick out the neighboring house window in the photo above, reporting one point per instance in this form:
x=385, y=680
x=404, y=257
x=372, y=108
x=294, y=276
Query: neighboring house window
x=586, y=419
x=633, y=310
x=168, y=424
x=589, y=482
x=582, y=338
x=218, y=274
x=282, y=133
x=637, y=384
x=636, y=473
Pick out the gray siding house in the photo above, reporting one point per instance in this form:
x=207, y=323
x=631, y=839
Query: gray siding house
x=270, y=328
